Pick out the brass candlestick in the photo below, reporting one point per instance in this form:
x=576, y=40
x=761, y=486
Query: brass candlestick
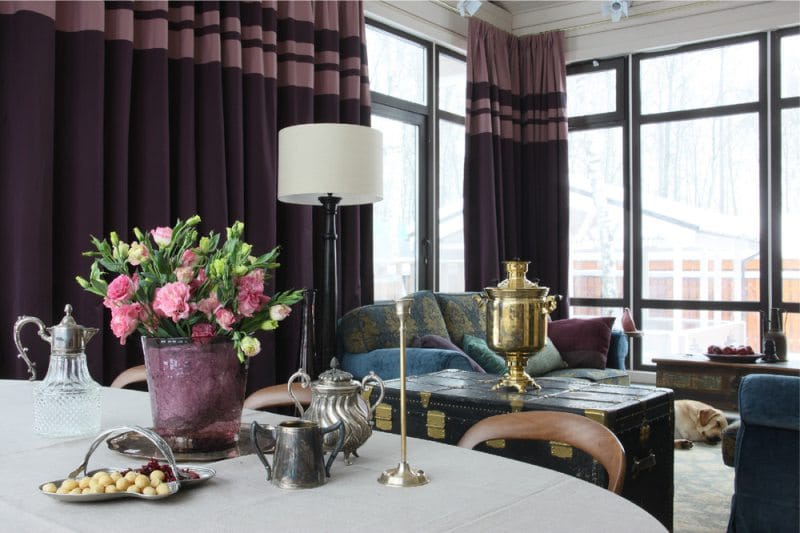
x=403, y=475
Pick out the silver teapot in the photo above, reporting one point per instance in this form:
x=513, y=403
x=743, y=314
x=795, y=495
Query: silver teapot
x=334, y=397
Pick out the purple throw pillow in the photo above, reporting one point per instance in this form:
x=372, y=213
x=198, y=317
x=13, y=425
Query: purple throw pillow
x=441, y=343
x=582, y=342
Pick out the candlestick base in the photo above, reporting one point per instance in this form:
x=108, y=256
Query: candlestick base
x=403, y=476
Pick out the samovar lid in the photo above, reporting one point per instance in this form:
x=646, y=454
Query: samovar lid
x=516, y=283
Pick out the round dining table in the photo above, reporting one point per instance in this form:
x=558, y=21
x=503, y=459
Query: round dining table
x=468, y=490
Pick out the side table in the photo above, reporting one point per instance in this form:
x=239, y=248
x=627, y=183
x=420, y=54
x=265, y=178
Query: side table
x=695, y=377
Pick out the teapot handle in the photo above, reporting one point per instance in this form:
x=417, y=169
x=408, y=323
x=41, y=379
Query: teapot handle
x=372, y=376
x=255, y=428
x=305, y=380
x=22, y=351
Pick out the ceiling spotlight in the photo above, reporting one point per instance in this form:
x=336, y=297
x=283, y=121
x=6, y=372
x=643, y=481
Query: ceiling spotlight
x=615, y=9
x=468, y=7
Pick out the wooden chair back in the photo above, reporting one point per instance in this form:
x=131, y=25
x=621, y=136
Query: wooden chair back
x=278, y=396
x=578, y=431
x=134, y=374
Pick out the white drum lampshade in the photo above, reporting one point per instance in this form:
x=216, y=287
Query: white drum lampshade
x=343, y=160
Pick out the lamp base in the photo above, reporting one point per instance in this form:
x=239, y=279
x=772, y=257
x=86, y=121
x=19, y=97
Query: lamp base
x=403, y=476
x=516, y=377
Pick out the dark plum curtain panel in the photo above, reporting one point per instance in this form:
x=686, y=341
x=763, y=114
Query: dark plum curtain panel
x=123, y=114
x=516, y=188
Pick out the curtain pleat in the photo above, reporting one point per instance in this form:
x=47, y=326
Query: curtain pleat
x=123, y=114
x=516, y=189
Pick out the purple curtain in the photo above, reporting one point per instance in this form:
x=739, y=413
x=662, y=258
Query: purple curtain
x=123, y=114
x=516, y=189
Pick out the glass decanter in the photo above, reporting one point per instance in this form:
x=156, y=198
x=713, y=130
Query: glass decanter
x=66, y=403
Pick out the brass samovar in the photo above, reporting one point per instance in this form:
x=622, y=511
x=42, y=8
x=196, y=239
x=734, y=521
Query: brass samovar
x=516, y=323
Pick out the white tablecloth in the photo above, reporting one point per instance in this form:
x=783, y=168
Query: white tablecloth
x=468, y=490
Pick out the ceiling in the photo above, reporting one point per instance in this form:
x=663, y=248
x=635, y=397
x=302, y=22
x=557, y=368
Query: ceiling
x=521, y=7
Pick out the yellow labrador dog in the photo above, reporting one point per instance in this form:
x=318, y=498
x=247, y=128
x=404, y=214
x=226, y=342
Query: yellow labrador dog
x=698, y=421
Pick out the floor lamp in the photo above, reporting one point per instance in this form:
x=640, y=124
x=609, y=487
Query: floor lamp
x=329, y=165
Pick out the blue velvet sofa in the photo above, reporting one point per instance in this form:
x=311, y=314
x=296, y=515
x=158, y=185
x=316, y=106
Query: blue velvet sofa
x=368, y=340
x=766, y=494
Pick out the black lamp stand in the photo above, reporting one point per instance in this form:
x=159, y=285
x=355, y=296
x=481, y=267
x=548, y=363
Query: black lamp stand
x=328, y=283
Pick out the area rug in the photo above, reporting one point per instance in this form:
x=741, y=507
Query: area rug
x=703, y=490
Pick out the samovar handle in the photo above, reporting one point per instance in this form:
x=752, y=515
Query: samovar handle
x=550, y=304
x=22, y=351
x=305, y=380
x=372, y=376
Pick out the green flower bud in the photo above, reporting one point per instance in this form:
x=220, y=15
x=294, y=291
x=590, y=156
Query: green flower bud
x=246, y=248
x=82, y=282
x=114, y=238
x=123, y=249
x=205, y=245
x=235, y=231
x=193, y=221
x=217, y=269
x=138, y=233
x=240, y=271
x=268, y=325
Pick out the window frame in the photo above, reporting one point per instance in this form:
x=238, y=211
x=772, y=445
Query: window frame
x=426, y=117
x=779, y=105
x=767, y=108
x=616, y=118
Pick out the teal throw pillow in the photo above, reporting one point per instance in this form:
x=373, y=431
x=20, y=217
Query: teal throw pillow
x=480, y=352
x=546, y=360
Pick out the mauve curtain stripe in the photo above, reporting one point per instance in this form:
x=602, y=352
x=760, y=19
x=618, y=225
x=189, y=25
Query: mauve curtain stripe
x=180, y=110
x=515, y=183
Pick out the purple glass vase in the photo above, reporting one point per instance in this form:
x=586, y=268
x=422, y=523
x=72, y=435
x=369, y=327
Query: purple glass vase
x=196, y=392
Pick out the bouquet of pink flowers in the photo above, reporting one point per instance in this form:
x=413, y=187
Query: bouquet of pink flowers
x=168, y=284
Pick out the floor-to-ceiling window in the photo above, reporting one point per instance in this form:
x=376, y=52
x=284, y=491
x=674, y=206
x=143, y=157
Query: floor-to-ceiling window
x=679, y=209
x=418, y=102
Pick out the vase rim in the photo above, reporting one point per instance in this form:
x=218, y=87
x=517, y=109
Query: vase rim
x=185, y=340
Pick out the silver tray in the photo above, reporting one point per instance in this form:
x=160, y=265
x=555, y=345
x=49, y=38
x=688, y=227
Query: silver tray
x=133, y=444
x=204, y=474
x=182, y=473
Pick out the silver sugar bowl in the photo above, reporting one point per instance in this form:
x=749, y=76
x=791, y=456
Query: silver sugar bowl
x=337, y=396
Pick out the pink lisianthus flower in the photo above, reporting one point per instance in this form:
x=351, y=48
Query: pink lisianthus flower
x=189, y=258
x=225, y=318
x=198, y=280
x=184, y=274
x=120, y=291
x=208, y=306
x=202, y=332
x=172, y=300
x=162, y=236
x=251, y=297
x=279, y=312
x=125, y=320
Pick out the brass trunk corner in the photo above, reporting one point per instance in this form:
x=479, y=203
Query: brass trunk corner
x=596, y=414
